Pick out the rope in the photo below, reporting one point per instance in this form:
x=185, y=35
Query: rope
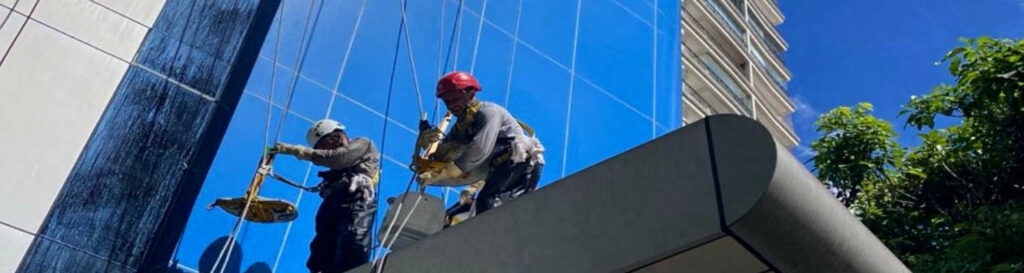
x=458, y=35
x=403, y=28
x=270, y=98
x=344, y=60
x=512, y=59
x=273, y=78
x=230, y=244
x=384, y=132
x=409, y=47
x=401, y=227
x=327, y=114
x=301, y=61
x=452, y=40
x=456, y=28
x=440, y=65
x=440, y=38
x=412, y=60
x=479, y=30
x=380, y=255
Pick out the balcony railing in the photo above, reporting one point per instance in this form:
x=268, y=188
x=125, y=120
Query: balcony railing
x=719, y=76
x=738, y=4
x=772, y=73
x=732, y=23
x=759, y=29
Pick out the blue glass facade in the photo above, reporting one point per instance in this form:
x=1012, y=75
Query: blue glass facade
x=583, y=74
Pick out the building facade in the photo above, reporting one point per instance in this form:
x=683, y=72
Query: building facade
x=159, y=115
x=112, y=112
x=732, y=63
x=50, y=108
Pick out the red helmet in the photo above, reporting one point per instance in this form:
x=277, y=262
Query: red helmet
x=457, y=81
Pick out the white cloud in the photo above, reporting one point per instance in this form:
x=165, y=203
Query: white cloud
x=803, y=117
x=803, y=152
x=804, y=114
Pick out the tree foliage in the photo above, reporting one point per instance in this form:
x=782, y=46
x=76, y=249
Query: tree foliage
x=955, y=202
x=855, y=148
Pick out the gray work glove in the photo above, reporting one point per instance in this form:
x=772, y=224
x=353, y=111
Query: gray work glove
x=299, y=151
x=428, y=136
x=447, y=171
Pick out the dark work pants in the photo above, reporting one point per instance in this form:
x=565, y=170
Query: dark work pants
x=342, y=239
x=506, y=183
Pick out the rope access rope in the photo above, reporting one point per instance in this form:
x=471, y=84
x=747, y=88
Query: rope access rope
x=303, y=46
x=476, y=44
x=374, y=251
x=512, y=58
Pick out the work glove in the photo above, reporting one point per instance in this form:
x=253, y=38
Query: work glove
x=447, y=151
x=421, y=165
x=299, y=151
x=428, y=136
x=449, y=171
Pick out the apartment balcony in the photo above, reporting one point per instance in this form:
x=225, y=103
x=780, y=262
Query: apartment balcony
x=767, y=31
x=777, y=66
x=701, y=41
x=768, y=93
x=695, y=107
x=769, y=86
x=714, y=24
x=715, y=88
x=771, y=11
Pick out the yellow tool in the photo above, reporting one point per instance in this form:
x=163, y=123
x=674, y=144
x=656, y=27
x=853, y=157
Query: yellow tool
x=261, y=210
x=420, y=162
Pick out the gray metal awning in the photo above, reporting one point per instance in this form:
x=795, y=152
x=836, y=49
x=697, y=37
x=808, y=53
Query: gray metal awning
x=718, y=195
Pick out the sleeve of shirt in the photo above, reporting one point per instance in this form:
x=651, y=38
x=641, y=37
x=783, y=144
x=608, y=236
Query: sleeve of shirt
x=479, y=149
x=343, y=157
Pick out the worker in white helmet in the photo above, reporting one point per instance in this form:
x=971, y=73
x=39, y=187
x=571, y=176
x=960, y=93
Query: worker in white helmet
x=344, y=219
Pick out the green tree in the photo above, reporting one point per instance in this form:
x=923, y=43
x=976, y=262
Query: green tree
x=984, y=155
x=855, y=148
x=954, y=203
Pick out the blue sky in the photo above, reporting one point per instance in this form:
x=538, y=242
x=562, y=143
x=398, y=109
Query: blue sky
x=882, y=52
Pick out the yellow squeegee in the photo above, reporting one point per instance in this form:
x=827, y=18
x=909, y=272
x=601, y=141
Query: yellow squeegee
x=261, y=210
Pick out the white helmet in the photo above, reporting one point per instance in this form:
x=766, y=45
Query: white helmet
x=322, y=128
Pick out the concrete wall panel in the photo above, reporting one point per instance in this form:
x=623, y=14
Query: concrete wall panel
x=15, y=244
x=105, y=29
x=57, y=106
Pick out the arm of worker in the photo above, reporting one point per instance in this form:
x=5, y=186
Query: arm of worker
x=339, y=158
x=447, y=151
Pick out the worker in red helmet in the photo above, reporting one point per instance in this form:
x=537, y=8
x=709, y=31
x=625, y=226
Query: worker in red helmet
x=486, y=143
